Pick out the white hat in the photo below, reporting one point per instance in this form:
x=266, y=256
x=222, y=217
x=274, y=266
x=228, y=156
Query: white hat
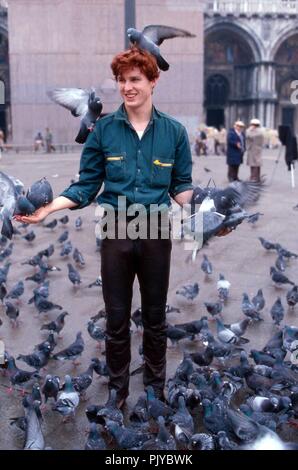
x=239, y=123
x=255, y=122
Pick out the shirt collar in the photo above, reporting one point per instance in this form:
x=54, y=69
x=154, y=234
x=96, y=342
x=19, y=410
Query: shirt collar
x=122, y=114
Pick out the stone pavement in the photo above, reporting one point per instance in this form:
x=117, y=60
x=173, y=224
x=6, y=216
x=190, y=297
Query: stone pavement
x=239, y=256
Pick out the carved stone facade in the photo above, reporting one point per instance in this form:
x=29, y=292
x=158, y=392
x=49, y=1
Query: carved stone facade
x=64, y=43
x=252, y=56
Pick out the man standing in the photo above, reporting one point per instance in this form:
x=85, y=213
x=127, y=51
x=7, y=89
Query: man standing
x=144, y=156
x=235, y=150
x=254, y=148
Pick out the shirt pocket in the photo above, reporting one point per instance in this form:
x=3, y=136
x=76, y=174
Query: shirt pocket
x=115, y=166
x=161, y=172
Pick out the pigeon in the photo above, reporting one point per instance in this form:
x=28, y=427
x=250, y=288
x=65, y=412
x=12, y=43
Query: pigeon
x=223, y=288
x=97, y=282
x=51, y=224
x=136, y=317
x=37, y=359
x=12, y=312
x=96, y=332
x=64, y=220
x=278, y=278
x=73, y=275
x=266, y=244
x=81, y=102
x=29, y=237
x=51, y=387
x=240, y=327
x=189, y=291
x=73, y=351
x=68, y=399
x=284, y=252
x=84, y=380
x=78, y=257
x=258, y=300
x=34, y=439
x=8, y=201
x=16, y=291
x=277, y=312
x=280, y=263
x=176, y=334
x=18, y=376
x=94, y=440
x=44, y=305
x=253, y=218
x=47, y=251
x=3, y=292
x=249, y=309
x=292, y=296
x=63, y=237
x=56, y=325
x=201, y=441
x=66, y=249
x=225, y=335
x=213, y=308
x=206, y=266
x=78, y=223
x=152, y=36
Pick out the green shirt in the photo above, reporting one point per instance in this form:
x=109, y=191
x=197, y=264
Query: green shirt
x=146, y=171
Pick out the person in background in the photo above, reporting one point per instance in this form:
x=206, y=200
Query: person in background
x=49, y=141
x=201, y=143
x=235, y=150
x=38, y=141
x=222, y=140
x=254, y=148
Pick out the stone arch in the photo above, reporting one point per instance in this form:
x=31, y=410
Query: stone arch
x=283, y=36
x=243, y=31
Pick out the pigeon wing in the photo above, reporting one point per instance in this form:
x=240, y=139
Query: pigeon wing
x=158, y=33
x=74, y=99
x=8, y=195
x=247, y=193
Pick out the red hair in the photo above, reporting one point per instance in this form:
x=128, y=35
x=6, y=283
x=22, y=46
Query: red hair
x=135, y=57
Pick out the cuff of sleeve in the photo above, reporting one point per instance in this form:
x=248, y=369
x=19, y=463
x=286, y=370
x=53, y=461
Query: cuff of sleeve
x=77, y=198
x=180, y=189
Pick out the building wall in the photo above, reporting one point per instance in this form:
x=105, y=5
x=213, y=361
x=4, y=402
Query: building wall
x=70, y=43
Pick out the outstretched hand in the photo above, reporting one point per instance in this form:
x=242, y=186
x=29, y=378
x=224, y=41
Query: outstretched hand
x=38, y=216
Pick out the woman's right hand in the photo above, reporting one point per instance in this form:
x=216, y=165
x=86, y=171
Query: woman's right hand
x=38, y=216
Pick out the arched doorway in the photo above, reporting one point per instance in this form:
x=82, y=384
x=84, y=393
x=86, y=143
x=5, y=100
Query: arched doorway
x=217, y=94
x=229, y=76
x=286, y=63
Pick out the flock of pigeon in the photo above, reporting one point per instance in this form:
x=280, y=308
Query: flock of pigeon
x=223, y=395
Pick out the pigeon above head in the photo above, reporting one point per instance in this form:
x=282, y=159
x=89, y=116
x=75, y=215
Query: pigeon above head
x=152, y=36
x=80, y=102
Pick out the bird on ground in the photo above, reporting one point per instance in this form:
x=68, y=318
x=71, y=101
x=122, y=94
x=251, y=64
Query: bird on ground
x=64, y=220
x=253, y=218
x=78, y=257
x=152, y=36
x=280, y=263
x=38, y=358
x=267, y=244
x=51, y=224
x=12, y=312
x=73, y=275
x=284, y=252
x=206, y=266
x=30, y=236
x=96, y=332
x=277, y=311
x=16, y=291
x=73, y=351
x=258, y=300
x=97, y=282
x=68, y=400
x=47, y=251
x=278, y=278
x=223, y=288
x=95, y=440
x=63, y=237
x=80, y=102
x=66, y=248
x=292, y=296
x=34, y=439
x=51, y=387
x=44, y=305
x=239, y=328
x=189, y=291
x=249, y=309
x=78, y=223
x=18, y=376
x=214, y=308
x=56, y=325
